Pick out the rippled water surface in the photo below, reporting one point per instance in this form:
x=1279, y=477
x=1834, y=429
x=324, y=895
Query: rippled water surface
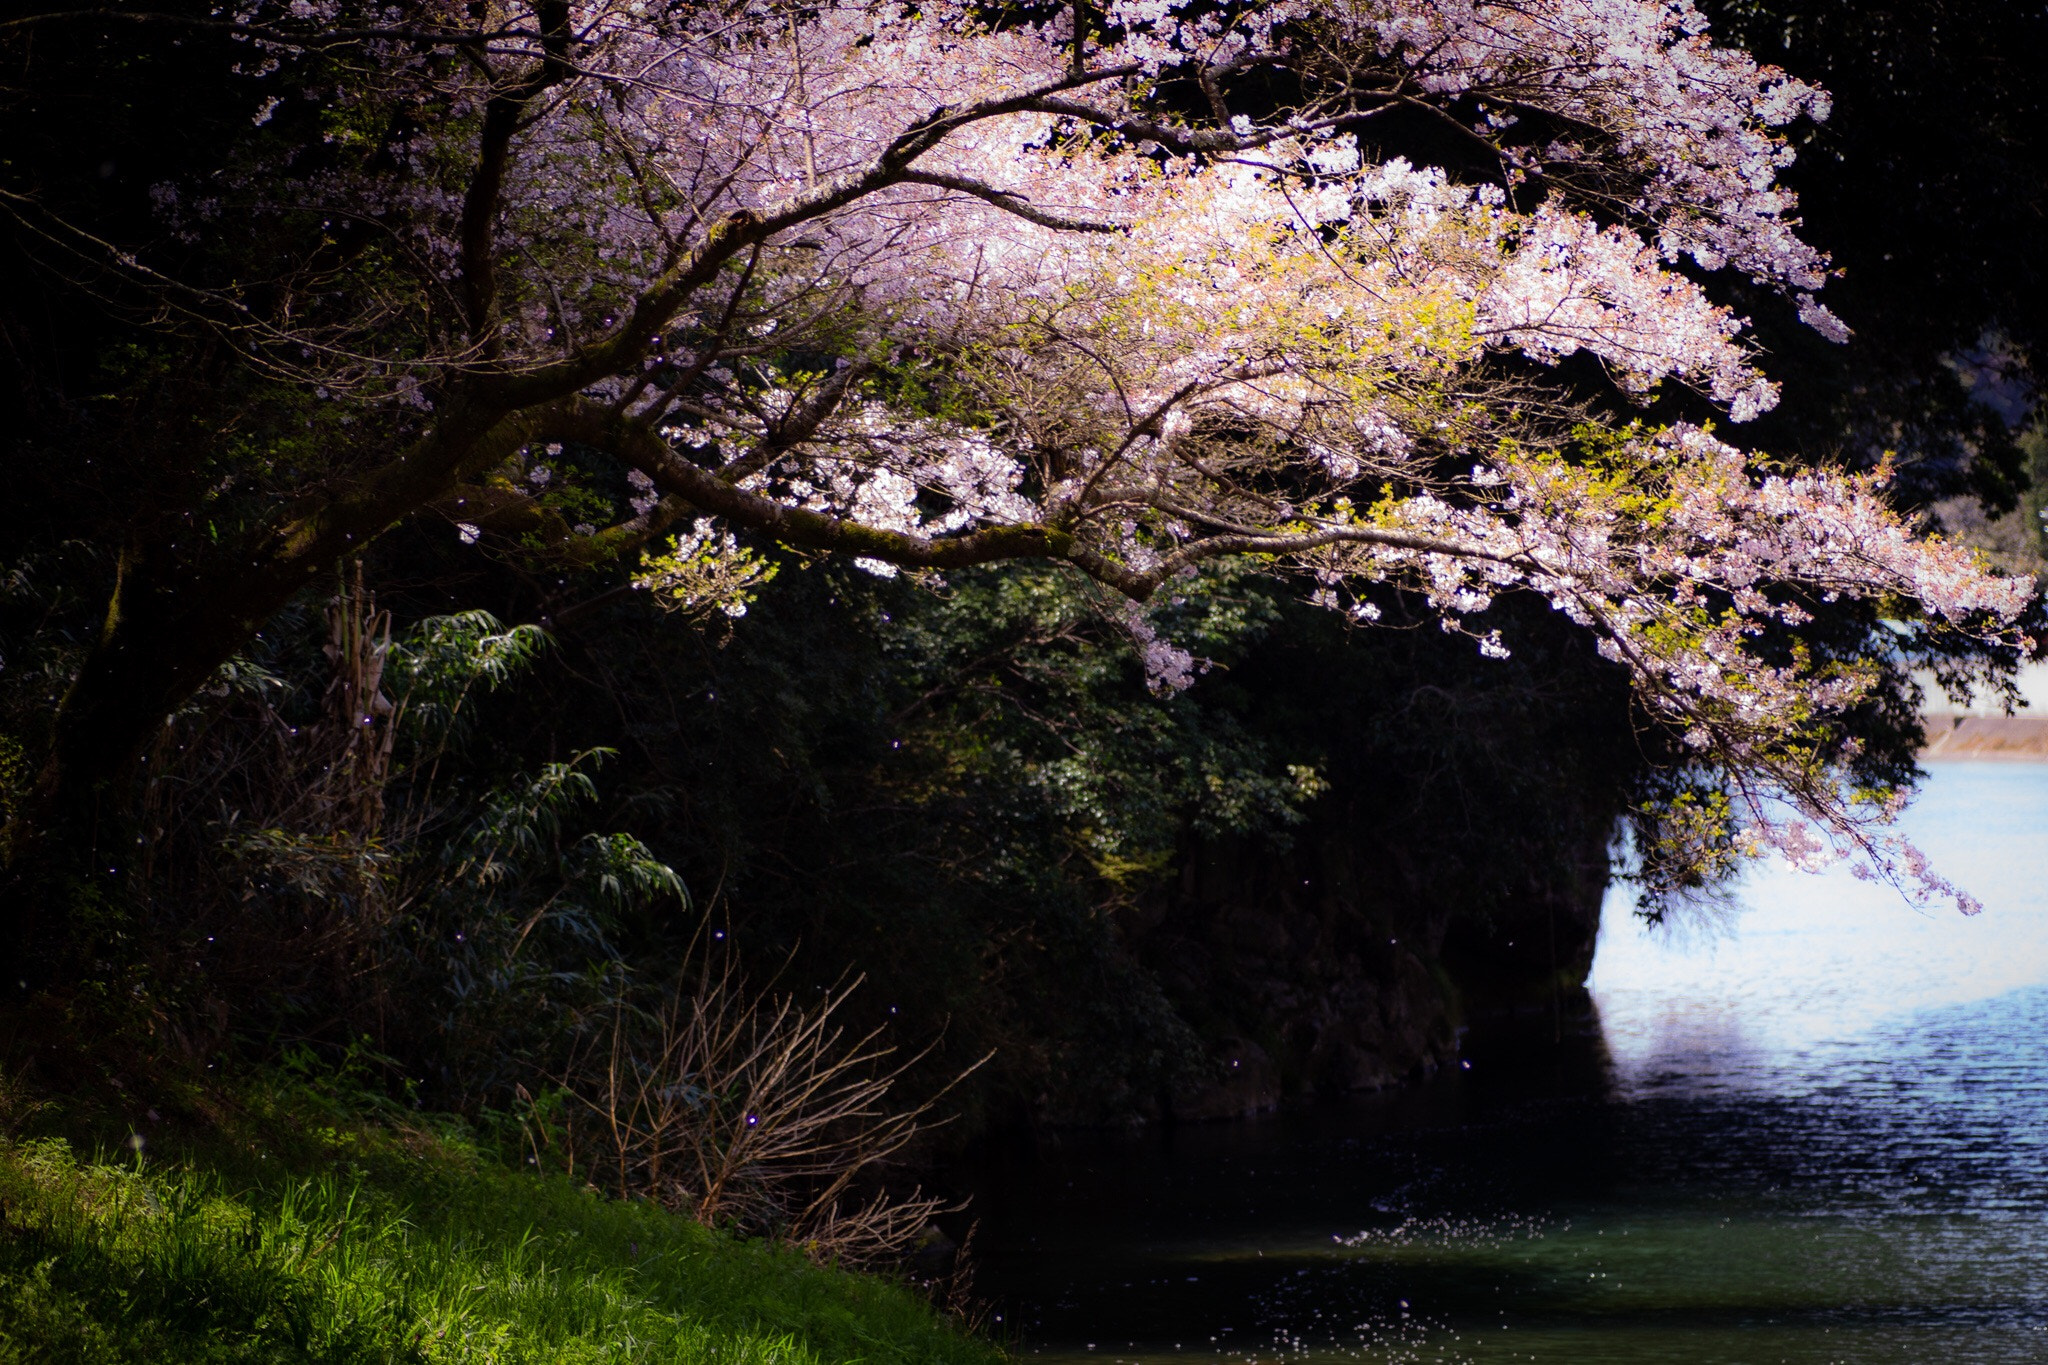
x=1824, y=1138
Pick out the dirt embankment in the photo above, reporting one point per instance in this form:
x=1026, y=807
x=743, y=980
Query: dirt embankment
x=2008, y=738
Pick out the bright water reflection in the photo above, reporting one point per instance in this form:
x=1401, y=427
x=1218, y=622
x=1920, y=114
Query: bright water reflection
x=1823, y=1139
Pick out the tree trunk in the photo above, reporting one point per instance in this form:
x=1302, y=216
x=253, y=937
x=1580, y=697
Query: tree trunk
x=174, y=618
x=169, y=627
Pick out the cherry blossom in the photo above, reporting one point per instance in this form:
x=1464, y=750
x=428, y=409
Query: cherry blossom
x=930, y=290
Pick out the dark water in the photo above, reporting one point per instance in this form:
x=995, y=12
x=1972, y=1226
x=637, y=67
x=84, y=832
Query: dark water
x=1822, y=1136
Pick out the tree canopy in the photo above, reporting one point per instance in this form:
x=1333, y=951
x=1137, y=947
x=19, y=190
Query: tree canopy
x=1432, y=296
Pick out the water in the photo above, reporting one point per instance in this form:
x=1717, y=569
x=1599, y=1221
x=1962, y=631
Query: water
x=1822, y=1139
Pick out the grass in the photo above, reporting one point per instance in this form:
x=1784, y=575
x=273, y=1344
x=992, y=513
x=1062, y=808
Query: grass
x=357, y=1241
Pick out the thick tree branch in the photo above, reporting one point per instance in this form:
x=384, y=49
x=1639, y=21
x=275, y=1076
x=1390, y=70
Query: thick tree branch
x=800, y=528
x=1216, y=547
x=796, y=527
x=799, y=424
x=1009, y=203
x=503, y=115
x=1186, y=141
x=467, y=443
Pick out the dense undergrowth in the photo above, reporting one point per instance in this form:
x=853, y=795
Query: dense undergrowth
x=293, y=1231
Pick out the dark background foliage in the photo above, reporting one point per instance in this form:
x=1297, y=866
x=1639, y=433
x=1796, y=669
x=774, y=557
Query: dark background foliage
x=1929, y=185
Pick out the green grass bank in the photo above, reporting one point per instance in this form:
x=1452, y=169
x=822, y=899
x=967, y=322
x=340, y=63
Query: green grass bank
x=306, y=1236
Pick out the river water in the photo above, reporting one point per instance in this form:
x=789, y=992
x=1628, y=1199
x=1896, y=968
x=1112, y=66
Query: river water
x=1819, y=1136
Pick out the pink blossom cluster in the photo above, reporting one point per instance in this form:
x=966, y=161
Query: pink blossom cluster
x=1159, y=338
x=1681, y=133
x=1681, y=559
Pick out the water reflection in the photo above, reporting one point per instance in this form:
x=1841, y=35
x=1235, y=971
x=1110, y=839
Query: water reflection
x=1825, y=1138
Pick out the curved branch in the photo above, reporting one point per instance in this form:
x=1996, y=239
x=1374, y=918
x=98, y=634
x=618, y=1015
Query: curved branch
x=799, y=528
x=1215, y=547
x=1008, y=202
x=593, y=424
x=799, y=424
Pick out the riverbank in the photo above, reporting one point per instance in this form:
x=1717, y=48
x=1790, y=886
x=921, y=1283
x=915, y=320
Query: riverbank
x=290, y=1230
x=1999, y=738
x=1810, y=1135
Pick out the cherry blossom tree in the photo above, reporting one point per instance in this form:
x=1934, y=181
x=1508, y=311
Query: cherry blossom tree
x=1363, y=290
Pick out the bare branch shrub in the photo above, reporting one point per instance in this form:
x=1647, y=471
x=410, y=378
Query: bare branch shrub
x=745, y=1109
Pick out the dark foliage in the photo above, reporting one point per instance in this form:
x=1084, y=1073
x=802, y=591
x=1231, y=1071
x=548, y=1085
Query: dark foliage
x=1929, y=185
